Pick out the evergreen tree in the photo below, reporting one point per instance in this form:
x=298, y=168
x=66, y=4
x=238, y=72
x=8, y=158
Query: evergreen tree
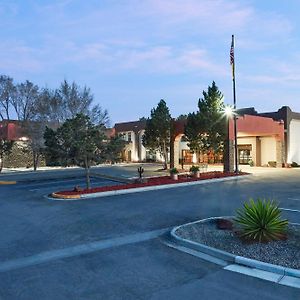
x=77, y=141
x=114, y=148
x=158, y=131
x=206, y=129
x=193, y=132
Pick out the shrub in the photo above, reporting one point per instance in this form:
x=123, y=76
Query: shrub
x=251, y=163
x=174, y=171
x=261, y=221
x=294, y=165
x=272, y=164
x=194, y=169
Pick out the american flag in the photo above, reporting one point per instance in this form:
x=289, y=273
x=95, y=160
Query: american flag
x=232, y=56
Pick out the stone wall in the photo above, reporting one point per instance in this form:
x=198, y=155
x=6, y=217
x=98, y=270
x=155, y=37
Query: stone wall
x=280, y=153
x=20, y=157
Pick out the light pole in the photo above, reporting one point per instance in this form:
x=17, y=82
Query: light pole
x=228, y=112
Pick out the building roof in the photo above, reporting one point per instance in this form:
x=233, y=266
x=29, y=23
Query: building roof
x=130, y=126
x=247, y=111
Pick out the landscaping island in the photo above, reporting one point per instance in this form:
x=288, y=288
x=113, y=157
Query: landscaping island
x=146, y=182
x=283, y=252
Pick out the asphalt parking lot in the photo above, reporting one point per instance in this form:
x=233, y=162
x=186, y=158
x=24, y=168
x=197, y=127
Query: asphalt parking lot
x=115, y=247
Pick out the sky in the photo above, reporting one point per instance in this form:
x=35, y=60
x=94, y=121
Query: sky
x=132, y=53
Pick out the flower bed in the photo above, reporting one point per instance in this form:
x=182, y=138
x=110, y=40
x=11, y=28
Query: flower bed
x=151, y=182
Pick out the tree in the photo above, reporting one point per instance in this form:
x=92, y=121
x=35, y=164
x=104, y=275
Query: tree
x=114, y=148
x=206, y=129
x=74, y=99
x=7, y=93
x=77, y=141
x=158, y=131
x=212, y=118
x=182, y=117
x=25, y=100
x=5, y=148
x=193, y=132
x=32, y=119
x=35, y=131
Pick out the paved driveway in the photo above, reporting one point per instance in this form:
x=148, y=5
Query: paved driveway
x=114, y=247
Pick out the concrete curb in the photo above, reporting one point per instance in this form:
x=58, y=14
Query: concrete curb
x=231, y=258
x=148, y=188
x=7, y=182
x=59, y=196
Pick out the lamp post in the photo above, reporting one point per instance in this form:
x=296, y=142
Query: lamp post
x=228, y=112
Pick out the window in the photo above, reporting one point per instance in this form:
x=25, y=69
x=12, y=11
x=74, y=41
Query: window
x=129, y=137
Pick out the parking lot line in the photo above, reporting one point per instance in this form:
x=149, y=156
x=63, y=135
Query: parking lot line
x=289, y=209
x=79, y=250
x=294, y=199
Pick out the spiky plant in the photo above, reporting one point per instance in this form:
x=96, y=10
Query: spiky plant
x=261, y=221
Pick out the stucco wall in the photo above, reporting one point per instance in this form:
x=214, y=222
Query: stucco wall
x=268, y=150
x=294, y=142
x=142, y=148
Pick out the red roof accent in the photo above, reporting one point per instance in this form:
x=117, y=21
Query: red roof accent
x=258, y=126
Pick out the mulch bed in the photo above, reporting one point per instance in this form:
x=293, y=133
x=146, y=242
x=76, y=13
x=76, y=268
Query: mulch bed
x=152, y=182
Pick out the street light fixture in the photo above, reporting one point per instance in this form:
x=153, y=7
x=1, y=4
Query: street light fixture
x=228, y=111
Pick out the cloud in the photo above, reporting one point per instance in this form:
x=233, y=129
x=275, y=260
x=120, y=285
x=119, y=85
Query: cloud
x=19, y=58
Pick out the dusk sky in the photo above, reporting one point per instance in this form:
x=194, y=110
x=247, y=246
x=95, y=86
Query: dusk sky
x=134, y=53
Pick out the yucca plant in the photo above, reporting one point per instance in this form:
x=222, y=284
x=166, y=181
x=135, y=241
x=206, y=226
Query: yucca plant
x=261, y=221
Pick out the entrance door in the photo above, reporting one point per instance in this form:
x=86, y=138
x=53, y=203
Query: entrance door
x=244, y=157
x=129, y=155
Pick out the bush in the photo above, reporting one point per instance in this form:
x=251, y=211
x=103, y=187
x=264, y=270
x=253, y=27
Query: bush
x=251, y=163
x=194, y=169
x=174, y=171
x=261, y=221
x=272, y=164
x=294, y=165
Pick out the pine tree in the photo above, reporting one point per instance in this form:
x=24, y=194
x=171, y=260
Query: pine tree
x=158, y=131
x=206, y=129
x=77, y=141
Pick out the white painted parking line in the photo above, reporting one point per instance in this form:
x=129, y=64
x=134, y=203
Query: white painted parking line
x=294, y=199
x=79, y=250
x=289, y=209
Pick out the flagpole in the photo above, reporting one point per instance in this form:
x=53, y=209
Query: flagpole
x=234, y=107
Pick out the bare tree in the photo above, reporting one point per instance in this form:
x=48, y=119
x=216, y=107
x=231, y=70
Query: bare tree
x=50, y=106
x=98, y=116
x=35, y=132
x=7, y=94
x=74, y=99
x=70, y=100
x=25, y=100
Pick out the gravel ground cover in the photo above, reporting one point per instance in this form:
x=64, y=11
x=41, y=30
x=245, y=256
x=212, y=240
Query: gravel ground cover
x=151, y=182
x=285, y=253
